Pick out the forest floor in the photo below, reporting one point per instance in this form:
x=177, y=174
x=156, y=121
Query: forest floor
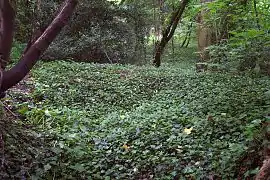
x=93, y=121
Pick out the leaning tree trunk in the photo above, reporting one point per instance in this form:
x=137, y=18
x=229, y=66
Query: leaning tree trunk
x=186, y=41
x=168, y=33
x=205, y=34
x=11, y=77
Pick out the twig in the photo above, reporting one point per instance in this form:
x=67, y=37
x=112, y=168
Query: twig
x=108, y=57
x=2, y=146
x=5, y=106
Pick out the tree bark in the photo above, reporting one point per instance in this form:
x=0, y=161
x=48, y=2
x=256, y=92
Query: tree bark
x=30, y=57
x=7, y=15
x=167, y=34
x=205, y=34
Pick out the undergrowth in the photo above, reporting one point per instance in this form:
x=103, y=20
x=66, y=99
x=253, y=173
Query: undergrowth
x=130, y=122
x=21, y=148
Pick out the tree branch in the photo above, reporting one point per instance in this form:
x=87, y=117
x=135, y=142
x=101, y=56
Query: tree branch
x=177, y=18
x=169, y=31
x=29, y=59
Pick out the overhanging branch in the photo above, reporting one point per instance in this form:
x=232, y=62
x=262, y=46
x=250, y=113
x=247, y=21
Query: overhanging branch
x=29, y=59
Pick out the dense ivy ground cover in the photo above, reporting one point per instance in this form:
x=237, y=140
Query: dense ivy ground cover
x=130, y=122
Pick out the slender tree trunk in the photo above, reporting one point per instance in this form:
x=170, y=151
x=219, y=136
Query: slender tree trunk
x=256, y=14
x=167, y=34
x=30, y=57
x=187, y=37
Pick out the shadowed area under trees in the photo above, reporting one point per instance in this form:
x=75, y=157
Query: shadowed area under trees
x=99, y=32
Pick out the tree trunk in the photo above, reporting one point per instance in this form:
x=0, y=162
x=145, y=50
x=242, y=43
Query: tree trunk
x=256, y=14
x=168, y=33
x=187, y=37
x=160, y=46
x=7, y=15
x=30, y=57
x=205, y=34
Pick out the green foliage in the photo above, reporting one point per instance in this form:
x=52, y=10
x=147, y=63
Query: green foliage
x=16, y=52
x=246, y=30
x=128, y=122
x=99, y=31
x=21, y=147
x=23, y=20
x=243, y=51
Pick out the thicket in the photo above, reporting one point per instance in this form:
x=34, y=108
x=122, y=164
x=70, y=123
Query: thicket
x=100, y=31
x=246, y=26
